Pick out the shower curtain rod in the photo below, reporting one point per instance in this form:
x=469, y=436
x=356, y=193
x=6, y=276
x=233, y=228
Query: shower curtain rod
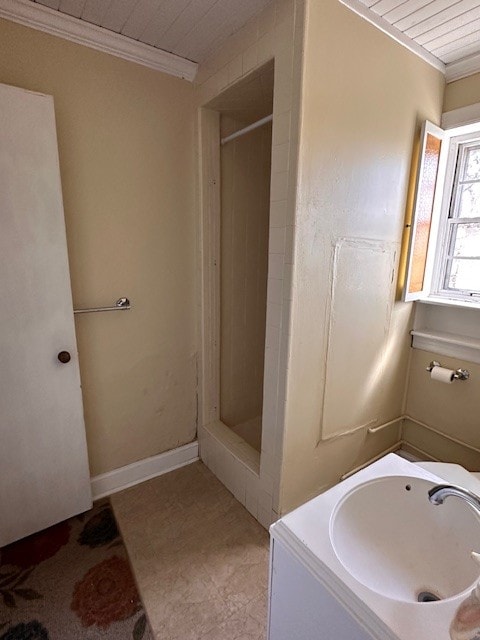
x=245, y=130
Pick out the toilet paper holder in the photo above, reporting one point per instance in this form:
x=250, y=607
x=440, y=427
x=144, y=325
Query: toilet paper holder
x=459, y=374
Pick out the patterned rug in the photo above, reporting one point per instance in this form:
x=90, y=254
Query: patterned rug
x=71, y=581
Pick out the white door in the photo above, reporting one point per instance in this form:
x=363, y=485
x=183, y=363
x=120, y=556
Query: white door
x=44, y=476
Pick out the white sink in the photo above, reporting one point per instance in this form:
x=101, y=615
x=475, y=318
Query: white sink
x=391, y=539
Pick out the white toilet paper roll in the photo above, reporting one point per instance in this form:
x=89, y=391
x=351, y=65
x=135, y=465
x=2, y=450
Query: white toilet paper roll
x=442, y=375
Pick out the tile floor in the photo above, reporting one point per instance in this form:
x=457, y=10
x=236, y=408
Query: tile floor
x=200, y=559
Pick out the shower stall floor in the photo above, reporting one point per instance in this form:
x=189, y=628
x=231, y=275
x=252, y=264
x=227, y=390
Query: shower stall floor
x=251, y=432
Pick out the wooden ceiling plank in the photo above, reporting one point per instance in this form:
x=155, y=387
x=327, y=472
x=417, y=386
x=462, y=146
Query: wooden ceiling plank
x=384, y=6
x=432, y=15
x=94, y=10
x=244, y=11
x=470, y=42
x=463, y=51
x=185, y=22
x=449, y=25
x=405, y=9
x=117, y=15
x=211, y=23
x=72, y=7
x=450, y=35
x=52, y=4
x=166, y=14
x=143, y=12
x=458, y=69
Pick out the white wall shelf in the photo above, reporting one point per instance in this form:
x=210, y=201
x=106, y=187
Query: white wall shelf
x=447, y=330
x=447, y=344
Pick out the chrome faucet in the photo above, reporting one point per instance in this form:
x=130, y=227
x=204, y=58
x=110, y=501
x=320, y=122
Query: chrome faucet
x=440, y=492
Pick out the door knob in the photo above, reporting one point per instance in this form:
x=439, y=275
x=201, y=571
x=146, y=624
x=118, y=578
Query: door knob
x=64, y=357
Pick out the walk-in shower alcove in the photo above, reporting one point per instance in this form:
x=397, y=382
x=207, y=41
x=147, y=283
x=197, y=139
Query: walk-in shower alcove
x=245, y=139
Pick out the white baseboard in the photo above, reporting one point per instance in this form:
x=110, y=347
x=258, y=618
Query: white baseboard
x=107, y=483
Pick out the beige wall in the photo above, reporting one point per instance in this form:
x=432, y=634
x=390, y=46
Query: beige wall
x=455, y=409
x=452, y=409
x=245, y=205
x=360, y=116
x=462, y=93
x=126, y=152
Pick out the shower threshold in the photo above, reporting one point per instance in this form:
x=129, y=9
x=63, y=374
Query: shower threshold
x=235, y=444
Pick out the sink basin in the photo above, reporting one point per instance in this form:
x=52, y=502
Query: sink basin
x=391, y=539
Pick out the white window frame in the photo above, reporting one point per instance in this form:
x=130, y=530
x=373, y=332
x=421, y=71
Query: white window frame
x=433, y=290
x=449, y=192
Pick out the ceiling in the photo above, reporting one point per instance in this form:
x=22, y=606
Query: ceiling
x=175, y=35
x=447, y=31
x=190, y=29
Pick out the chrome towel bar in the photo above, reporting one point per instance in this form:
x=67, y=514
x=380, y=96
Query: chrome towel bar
x=122, y=304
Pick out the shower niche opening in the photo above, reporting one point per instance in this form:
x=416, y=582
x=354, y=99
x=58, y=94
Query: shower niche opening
x=245, y=141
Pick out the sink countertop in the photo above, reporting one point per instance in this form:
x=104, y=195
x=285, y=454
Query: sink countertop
x=306, y=532
x=453, y=474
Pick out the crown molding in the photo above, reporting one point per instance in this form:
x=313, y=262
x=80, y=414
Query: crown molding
x=452, y=71
x=36, y=16
x=463, y=68
x=367, y=14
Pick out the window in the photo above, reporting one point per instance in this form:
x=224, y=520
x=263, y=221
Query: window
x=444, y=250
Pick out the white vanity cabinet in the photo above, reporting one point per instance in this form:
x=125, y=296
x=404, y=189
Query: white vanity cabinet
x=372, y=593
x=301, y=607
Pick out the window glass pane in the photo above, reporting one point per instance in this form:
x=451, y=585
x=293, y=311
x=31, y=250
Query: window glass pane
x=472, y=164
x=468, y=201
x=465, y=240
x=464, y=274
